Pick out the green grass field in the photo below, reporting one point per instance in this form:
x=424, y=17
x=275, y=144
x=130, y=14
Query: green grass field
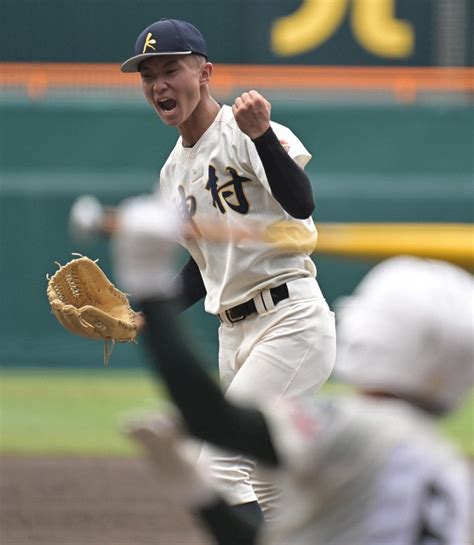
x=64, y=412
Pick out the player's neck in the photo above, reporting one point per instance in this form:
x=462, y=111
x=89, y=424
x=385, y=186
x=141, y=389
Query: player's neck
x=199, y=121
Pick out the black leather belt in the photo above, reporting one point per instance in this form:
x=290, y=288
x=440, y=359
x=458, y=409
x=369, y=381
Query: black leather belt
x=240, y=312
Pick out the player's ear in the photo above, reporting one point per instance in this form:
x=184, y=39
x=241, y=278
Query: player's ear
x=206, y=73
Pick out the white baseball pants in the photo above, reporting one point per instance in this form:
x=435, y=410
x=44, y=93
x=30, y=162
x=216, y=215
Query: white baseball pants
x=287, y=351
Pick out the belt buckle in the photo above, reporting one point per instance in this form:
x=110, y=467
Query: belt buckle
x=233, y=320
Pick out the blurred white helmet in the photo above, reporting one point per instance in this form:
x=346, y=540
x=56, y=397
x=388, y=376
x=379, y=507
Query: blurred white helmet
x=408, y=330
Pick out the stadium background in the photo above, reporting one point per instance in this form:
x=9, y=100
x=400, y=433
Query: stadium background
x=380, y=91
x=390, y=141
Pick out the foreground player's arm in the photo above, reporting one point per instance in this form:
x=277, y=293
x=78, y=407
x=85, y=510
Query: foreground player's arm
x=165, y=442
x=289, y=183
x=188, y=287
x=144, y=249
x=206, y=412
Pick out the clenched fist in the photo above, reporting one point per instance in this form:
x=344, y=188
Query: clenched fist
x=252, y=113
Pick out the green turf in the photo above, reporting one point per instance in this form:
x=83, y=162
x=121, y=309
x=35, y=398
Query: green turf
x=64, y=412
x=70, y=412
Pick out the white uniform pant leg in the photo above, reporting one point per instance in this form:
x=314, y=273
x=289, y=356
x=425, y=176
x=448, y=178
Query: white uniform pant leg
x=288, y=352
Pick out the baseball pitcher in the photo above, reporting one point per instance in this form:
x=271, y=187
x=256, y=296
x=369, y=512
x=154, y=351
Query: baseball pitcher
x=234, y=166
x=233, y=170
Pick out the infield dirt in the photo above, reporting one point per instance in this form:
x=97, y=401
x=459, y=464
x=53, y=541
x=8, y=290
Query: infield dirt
x=88, y=501
x=92, y=501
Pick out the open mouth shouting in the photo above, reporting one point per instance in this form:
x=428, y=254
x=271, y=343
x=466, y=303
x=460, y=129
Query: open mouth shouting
x=167, y=105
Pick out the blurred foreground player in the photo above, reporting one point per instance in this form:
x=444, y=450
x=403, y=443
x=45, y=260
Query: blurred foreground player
x=367, y=470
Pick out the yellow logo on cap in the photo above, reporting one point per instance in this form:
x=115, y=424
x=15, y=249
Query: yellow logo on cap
x=149, y=41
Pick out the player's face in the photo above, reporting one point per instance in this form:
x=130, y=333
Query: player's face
x=172, y=85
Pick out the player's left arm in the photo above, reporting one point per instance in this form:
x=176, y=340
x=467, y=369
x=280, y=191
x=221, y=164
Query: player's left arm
x=289, y=183
x=188, y=285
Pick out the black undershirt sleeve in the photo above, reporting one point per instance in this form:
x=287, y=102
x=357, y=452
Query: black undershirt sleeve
x=206, y=412
x=189, y=285
x=289, y=183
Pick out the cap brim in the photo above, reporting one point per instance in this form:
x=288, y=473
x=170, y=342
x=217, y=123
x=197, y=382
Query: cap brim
x=131, y=64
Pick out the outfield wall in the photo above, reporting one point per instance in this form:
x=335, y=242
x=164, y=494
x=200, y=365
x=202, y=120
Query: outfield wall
x=326, y=32
x=370, y=163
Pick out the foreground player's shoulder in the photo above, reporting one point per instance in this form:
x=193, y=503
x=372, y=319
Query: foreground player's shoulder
x=303, y=432
x=294, y=426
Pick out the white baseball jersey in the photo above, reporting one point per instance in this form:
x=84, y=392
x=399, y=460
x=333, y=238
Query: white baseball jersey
x=221, y=178
x=366, y=472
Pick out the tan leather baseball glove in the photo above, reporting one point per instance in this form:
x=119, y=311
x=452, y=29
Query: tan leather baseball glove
x=86, y=303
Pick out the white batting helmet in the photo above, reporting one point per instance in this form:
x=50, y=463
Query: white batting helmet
x=408, y=329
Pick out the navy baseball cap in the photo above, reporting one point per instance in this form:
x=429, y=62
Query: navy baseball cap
x=166, y=37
